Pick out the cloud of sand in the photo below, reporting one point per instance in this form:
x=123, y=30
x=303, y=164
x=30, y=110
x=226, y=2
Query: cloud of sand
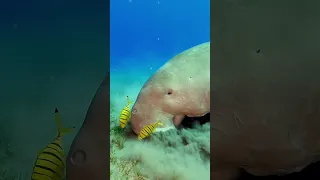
x=174, y=154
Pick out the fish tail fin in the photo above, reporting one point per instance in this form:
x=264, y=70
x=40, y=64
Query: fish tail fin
x=61, y=131
x=160, y=123
x=129, y=102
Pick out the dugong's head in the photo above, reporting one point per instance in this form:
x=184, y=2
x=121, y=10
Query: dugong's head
x=166, y=96
x=179, y=88
x=158, y=99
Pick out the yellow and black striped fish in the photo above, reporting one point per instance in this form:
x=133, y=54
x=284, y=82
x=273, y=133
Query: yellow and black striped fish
x=50, y=163
x=148, y=130
x=125, y=114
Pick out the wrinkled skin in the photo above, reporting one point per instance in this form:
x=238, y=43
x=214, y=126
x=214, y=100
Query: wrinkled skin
x=179, y=88
x=88, y=155
x=265, y=103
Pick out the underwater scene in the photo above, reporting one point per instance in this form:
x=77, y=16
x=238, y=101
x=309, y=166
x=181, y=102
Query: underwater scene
x=160, y=52
x=67, y=112
x=53, y=56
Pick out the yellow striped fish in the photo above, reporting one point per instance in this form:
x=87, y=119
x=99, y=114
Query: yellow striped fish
x=125, y=114
x=50, y=163
x=148, y=130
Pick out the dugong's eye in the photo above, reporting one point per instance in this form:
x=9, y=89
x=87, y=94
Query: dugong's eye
x=169, y=92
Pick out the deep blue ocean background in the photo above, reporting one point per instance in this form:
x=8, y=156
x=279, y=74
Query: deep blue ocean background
x=145, y=34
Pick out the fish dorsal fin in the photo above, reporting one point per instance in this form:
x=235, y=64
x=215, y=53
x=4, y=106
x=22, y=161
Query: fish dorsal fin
x=61, y=131
x=57, y=118
x=128, y=100
x=159, y=123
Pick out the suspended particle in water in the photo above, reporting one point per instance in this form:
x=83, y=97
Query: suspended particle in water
x=52, y=78
x=158, y=39
x=130, y=1
x=258, y=51
x=158, y=2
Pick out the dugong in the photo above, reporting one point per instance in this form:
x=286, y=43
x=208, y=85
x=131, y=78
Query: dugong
x=265, y=90
x=88, y=155
x=180, y=88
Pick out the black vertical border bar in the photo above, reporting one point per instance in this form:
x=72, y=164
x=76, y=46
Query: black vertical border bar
x=108, y=82
x=108, y=93
x=93, y=139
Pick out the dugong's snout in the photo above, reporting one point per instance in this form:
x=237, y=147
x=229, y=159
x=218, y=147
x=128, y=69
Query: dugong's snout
x=147, y=114
x=140, y=117
x=135, y=125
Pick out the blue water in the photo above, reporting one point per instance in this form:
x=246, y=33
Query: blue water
x=147, y=33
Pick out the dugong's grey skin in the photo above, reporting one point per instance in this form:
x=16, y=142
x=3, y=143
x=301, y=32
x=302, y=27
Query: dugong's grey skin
x=265, y=87
x=179, y=88
x=88, y=155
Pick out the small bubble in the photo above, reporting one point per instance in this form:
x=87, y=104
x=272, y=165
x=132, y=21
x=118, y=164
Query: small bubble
x=158, y=2
x=158, y=39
